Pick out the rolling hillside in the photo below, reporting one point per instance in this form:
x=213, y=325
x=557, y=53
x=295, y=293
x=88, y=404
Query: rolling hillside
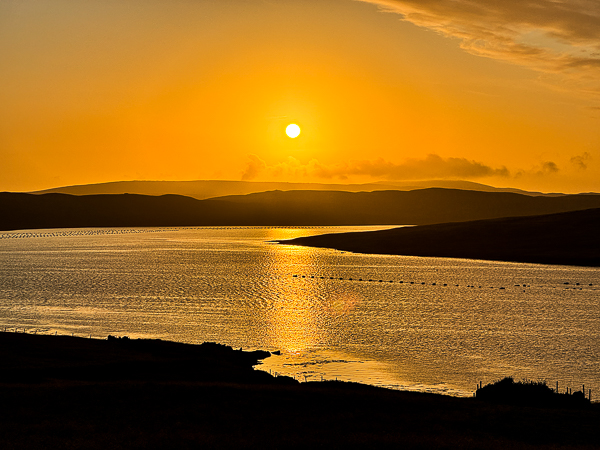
x=277, y=208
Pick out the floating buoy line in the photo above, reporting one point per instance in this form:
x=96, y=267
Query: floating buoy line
x=566, y=285
x=115, y=231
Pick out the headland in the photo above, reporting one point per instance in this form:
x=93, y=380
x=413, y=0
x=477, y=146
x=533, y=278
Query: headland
x=569, y=238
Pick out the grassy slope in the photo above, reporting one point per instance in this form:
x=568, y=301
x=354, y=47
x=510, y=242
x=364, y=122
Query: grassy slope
x=566, y=238
x=173, y=412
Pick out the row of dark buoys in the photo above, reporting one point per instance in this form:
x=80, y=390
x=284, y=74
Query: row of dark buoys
x=94, y=232
x=422, y=283
x=342, y=279
x=575, y=286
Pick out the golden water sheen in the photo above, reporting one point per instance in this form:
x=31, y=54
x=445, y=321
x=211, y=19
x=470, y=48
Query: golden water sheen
x=427, y=324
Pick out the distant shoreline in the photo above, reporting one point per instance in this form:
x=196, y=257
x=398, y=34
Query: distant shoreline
x=570, y=238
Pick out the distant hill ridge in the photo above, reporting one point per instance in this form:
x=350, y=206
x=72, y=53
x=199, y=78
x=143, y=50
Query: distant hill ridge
x=203, y=189
x=277, y=208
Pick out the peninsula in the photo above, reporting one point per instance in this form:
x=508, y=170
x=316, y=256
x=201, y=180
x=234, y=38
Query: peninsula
x=570, y=238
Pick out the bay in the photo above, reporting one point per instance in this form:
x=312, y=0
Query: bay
x=424, y=324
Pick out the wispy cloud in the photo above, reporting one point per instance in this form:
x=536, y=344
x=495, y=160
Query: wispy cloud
x=549, y=167
x=559, y=37
x=543, y=169
x=254, y=167
x=582, y=161
x=430, y=167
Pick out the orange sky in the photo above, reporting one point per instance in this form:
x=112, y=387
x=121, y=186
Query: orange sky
x=104, y=90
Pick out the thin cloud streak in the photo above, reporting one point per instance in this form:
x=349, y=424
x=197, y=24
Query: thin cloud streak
x=554, y=37
x=430, y=167
x=544, y=170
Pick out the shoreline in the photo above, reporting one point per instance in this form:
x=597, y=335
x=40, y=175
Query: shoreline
x=558, y=239
x=125, y=393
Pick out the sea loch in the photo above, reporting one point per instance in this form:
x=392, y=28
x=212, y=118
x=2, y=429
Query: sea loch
x=424, y=324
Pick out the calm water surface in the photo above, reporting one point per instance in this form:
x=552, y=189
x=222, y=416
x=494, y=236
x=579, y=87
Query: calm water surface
x=426, y=324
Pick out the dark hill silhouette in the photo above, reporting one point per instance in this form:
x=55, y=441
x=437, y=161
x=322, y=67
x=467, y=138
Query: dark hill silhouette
x=203, y=189
x=419, y=207
x=566, y=238
x=277, y=208
x=458, y=184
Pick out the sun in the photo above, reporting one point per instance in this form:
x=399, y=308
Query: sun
x=292, y=130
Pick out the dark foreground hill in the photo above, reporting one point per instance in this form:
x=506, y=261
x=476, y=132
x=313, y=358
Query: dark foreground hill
x=566, y=238
x=90, y=394
x=277, y=208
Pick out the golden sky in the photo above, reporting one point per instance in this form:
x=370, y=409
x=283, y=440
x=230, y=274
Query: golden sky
x=505, y=93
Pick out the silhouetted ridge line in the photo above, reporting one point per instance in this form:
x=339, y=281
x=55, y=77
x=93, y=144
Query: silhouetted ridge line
x=566, y=238
x=203, y=189
x=277, y=208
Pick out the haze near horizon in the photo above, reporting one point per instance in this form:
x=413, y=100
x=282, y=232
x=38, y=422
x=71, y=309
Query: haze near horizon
x=505, y=94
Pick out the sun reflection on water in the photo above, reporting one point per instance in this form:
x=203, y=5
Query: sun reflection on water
x=304, y=310
x=293, y=322
x=306, y=319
